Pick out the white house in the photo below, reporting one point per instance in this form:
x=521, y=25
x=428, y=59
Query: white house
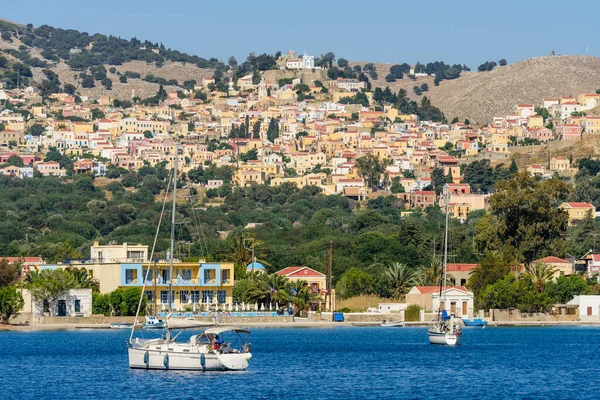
x=459, y=301
x=74, y=303
x=589, y=307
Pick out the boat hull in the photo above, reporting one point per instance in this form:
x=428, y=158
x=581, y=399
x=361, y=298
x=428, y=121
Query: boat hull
x=392, y=324
x=445, y=339
x=475, y=322
x=166, y=360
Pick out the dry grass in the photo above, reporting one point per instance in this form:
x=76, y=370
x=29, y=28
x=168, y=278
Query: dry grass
x=480, y=96
x=362, y=303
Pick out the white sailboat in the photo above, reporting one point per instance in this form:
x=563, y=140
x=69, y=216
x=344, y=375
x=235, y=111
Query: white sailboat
x=216, y=349
x=446, y=329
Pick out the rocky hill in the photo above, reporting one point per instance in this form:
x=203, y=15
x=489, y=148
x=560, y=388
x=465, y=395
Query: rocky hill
x=72, y=55
x=479, y=96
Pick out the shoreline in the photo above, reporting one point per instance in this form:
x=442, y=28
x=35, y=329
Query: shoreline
x=299, y=323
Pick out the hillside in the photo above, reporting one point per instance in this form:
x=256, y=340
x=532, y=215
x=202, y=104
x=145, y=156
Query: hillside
x=72, y=55
x=480, y=96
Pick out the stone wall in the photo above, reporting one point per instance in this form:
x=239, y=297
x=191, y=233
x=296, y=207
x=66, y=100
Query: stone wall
x=518, y=316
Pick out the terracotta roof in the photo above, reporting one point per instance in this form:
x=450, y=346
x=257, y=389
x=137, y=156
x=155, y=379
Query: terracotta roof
x=455, y=267
x=579, y=205
x=435, y=289
x=552, y=260
x=299, y=271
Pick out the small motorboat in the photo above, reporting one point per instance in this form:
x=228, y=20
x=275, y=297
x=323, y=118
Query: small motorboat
x=392, y=324
x=474, y=322
x=154, y=323
x=121, y=325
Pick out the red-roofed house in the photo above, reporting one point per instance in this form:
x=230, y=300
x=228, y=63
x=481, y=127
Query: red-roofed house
x=568, y=132
x=562, y=267
x=459, y=273
x=578, y=211
x=459, y=299
x=316, y=280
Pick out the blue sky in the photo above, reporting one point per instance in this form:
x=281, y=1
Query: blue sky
x=467, y=32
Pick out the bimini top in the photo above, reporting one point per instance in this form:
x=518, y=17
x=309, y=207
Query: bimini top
x=220, y=329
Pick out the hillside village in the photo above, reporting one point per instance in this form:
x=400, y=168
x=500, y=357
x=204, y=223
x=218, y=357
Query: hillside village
x=291, y=131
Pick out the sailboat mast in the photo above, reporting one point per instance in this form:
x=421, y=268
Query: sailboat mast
x=173, y=229
x=446, y=250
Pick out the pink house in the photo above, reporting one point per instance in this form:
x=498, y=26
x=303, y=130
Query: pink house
x=568, y=132
x=541, y=134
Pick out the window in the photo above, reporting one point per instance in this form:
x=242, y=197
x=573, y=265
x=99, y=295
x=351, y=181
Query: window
x=186, y=274
x=100, y=258
x=207, y=296
x=225, y=276
x=130, y=276
x=195, y=296
x=221, y=296
x=184, y=296
x=149, y=272
x=77, y=306
x=164, y=297
x=149, y=295
x=207, y=276
x=136, y=255
x=164, y=276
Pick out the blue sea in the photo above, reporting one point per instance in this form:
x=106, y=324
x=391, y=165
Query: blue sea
x=317, y=363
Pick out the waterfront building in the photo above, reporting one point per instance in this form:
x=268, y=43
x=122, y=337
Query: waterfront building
x=196, y=285
x=459, y=299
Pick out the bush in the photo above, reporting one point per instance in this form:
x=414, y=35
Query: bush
x=412, y=313
x=343, y=310
x=100, y=304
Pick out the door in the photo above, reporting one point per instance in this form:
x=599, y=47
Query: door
x=62, y=308
x=464, y=308
x=453, y=308
x=589, y=311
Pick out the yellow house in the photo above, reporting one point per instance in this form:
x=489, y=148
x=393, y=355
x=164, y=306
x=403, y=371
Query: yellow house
x=578, y=211
x=195, y=284
x=592, y=124
x=82, y=127
x=559, y=164
x=535, y=121
x=561, y=267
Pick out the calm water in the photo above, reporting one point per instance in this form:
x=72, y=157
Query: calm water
x=319, y=363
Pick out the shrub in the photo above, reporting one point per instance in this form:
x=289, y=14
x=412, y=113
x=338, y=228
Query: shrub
x=412, y=313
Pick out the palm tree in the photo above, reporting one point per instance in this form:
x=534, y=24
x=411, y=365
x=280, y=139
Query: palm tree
x=401, y=278
x=240, y=249
x=268, y=288
x=302, y=296
x=432, y=275
x=539, y=274
x=83, y=280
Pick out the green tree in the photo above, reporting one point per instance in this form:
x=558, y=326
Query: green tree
x=273, y=130
x=49, y=285
x=567, y=287
x=539, y=274
x=526, y=222
x=354, y=282
x=492, y=268
x=400, y=277
x=9, y=272
x=11, y=302
x=371, y=169
x=438, y=180
x=15, y=160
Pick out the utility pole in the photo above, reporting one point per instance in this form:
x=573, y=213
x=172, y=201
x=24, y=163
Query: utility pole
x=253, y=259
x=330, y=274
